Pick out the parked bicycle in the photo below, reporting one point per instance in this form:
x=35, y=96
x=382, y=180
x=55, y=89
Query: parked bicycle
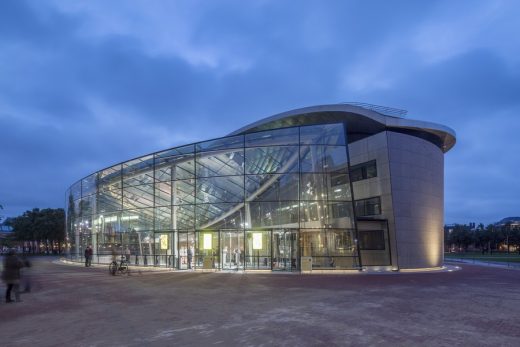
x=121, y=267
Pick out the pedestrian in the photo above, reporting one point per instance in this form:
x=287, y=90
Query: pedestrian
x=11, y=275
x=190, y=255
x=90, y=255
x=86, y=254
x=127, y=254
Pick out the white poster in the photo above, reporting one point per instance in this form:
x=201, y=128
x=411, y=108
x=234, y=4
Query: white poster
x=207, y=241
x=257, y=240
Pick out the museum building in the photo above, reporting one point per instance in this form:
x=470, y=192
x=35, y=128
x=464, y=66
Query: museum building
x=330, y=187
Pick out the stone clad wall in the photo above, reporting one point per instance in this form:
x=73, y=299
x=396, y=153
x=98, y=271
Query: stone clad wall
x=370, y=148
x=417, y=182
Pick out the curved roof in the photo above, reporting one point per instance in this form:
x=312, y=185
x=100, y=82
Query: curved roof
x=362, y=122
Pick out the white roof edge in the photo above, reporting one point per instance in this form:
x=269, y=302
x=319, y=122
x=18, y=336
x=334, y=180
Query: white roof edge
x=447, y=134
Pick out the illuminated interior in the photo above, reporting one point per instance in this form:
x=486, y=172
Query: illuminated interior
x=257, y=200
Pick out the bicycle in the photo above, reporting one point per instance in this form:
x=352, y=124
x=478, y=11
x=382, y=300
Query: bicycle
x=121, y=267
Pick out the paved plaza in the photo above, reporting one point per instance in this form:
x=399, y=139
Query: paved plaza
x=76, y=306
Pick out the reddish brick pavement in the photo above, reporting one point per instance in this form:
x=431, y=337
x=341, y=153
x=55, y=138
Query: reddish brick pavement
x=76, y=306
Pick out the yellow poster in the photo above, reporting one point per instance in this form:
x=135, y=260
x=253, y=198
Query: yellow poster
x=207, y=241
x=257, y=240
x=164, y=241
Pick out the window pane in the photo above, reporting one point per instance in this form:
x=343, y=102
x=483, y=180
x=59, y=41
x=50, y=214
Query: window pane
x=324, y=134
x=110, y=178
x=372, y=239
x=224, y=215
x=75, y=190
x=323, y=159
x=109, y=200
x=223, y=143
x=137, y=220
x=313, y=214
x=320, y=214
x=368, y=207
x=316, y=186
x=138, y=171
x=88, y=185
x=329, y=248
x=263, y=214
x=220, y=189
x=111, y=225
x=220, y=163
x=287, y=136
x=174, y=167
x=372, y=169
x=87, y=205
x=176, y=151
x=341, y=210
x=339, y=186
x=341, y=215
x=163, y=218
x=271, y=159
x=274, y=214
x=363, y=171
x=183, y=192
x=138, y=196
x=356, y=174
x=183, y=217
x=373, y=206
x=272, y=187
x=163, y=193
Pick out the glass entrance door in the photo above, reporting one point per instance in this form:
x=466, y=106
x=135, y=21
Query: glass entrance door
x=163, y=246
x=258, y=250
x=232, y=249
x=186, y=250
x=285, y=250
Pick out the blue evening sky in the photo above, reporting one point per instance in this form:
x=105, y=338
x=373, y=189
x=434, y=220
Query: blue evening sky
x=86, y=84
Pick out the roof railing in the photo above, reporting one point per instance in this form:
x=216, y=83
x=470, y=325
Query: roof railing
x=388, y=111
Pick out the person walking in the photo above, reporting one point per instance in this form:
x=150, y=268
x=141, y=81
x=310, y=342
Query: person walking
x=11, y=275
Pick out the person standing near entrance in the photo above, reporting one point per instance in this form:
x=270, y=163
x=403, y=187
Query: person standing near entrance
x=90, y=255
x=190, y=256
x=86, y=253
x=127, y=254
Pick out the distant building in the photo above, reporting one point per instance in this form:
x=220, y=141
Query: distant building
x=344, y=186
x=513, y=221
x=5, y=231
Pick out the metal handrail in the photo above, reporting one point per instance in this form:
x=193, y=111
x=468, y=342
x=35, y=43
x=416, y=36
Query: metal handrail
x=388, y=111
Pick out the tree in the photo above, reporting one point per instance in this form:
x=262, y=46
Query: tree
x=495, y=237
x=461, y=236
x=482, y=239
x=514, y=238
x=46, y=227
x=506, y=231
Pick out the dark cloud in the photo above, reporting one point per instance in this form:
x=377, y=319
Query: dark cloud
x=87, y=84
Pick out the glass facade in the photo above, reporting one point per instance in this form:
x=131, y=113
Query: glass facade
x=258, y=201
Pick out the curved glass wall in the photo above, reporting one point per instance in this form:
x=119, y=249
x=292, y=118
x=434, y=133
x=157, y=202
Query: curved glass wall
x=261, y=200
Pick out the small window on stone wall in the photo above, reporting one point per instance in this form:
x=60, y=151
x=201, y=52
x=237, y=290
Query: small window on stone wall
x=368, y=207
x=363, y=171
x=372, y=240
